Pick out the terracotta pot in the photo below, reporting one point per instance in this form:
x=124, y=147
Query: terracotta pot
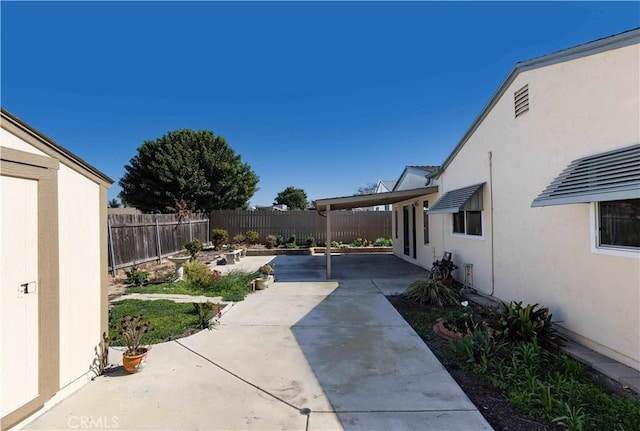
x=133, y=364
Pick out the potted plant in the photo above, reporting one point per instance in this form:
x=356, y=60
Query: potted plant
x=131, y=330
x=266, y=275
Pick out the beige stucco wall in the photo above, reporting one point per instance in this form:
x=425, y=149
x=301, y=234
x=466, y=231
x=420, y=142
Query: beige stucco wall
x=544, y=255
x=10, y=140
x=79, y=247
x=79, y=264
x=425, y=253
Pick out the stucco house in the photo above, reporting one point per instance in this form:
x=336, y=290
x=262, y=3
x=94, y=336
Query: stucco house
x=54, y=269
x=541, y=197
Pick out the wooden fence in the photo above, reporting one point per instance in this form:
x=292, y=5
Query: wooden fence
x=139, y=238
x=345, y=225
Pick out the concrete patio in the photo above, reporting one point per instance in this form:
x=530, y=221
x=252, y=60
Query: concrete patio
x=305, y=354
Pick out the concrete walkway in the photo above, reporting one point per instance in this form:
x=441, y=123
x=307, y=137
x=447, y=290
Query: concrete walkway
x=300, y=355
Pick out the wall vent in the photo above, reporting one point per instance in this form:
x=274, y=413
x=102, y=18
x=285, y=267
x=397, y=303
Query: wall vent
x=521, y=100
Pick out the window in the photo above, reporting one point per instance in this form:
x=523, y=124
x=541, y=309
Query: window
x=468, y=223
x=425, y=221
x=396, y=221
x=619, y=224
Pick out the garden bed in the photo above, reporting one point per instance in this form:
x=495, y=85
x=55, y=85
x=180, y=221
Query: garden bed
x=494, y=403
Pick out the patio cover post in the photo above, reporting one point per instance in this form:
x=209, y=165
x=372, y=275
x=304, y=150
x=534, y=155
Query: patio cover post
x=328, y=242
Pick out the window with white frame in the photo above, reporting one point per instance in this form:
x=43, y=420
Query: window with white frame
x=425, y=221
x=618, y=224
x=467, y=223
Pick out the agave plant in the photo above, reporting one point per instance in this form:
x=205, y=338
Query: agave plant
x=429, y=291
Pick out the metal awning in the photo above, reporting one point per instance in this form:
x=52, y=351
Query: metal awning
x=602, y=177
x=369, y=200
x=454, y=200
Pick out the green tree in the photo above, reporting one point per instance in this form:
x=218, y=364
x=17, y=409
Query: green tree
x=295, y=199
x=186, y=171
x=113, y=203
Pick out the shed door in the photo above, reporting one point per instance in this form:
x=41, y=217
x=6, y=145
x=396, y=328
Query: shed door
x=19, y=290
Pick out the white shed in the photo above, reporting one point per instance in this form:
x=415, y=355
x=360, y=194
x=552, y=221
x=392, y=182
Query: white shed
x=54, y=269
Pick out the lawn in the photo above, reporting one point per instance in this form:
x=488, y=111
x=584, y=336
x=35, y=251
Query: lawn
x=232, y=287
x=168, y=320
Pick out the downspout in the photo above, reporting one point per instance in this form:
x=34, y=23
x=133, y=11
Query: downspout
x=493, y=264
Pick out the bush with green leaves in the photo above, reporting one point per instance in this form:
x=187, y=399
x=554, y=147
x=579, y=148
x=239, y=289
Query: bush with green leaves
x=477, y=347
x=291, y=240
x=193, y=247
x=428, y=291
x=219, y=237
x=238, y=239
x=549, y=385
x=272, y=241
x=383, y=242
x=280, y=240
x=253, y=237
x=514, y=323
x=360, y=242
x=310, y=241
x=464, y=319
x=197, y=273
x=206, y=311
x=137, y=277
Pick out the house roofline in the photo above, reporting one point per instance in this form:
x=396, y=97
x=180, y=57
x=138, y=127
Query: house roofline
x=620, y=40
x=53, y=146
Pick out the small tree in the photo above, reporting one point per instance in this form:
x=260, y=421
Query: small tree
x=293, y=198
x=114, y=203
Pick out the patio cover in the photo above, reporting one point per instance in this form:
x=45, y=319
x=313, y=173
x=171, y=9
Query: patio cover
x=358, y=201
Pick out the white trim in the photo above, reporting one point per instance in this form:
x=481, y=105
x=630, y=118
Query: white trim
x=605, y=250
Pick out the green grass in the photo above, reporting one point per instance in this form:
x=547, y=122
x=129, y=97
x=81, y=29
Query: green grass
x=168, y=320
x=233, y=287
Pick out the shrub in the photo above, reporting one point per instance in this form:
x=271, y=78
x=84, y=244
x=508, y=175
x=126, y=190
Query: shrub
x=239, y=239
x=279, y=240
x=252, y=237
x=197, y=273
x=291, y=245
x=310, y=241
x=383, y=242
x=291, y=239
x=205, y=311
x=463, y=319
x=193, y=247
x=272, y=241
x=516, y=324
x=427, y=291
x=360, y=242
x=219, y=237
x=476, y=347
x=137, y=277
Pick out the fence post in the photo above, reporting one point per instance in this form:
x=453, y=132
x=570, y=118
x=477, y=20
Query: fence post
x=190, y=230
x=159, y=247
x=208, y=230
x=113, y=254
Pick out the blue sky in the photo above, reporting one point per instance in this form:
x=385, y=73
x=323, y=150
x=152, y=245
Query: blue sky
x=323, y=96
